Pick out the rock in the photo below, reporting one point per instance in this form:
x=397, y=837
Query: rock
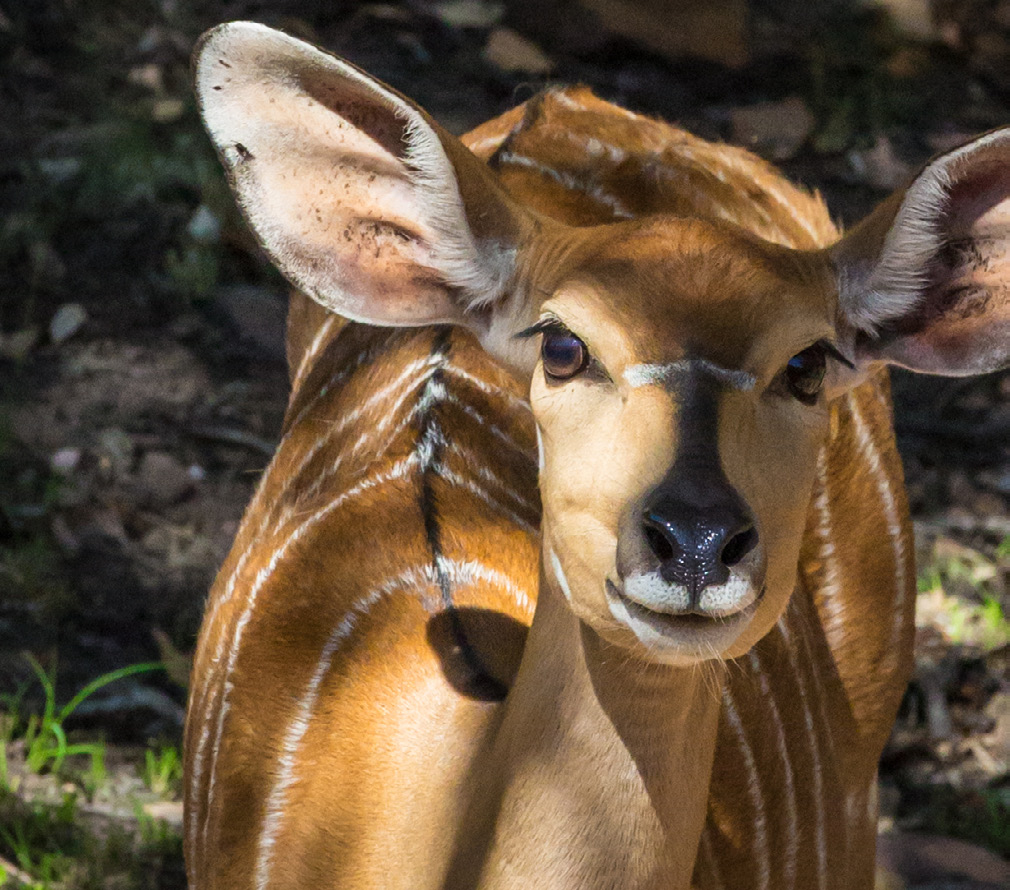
x=166, y=111
x=102, y=523
x=60, y=170
x=169, y=811
x=115, y=452
x=162, y=479
x=988, y=504
x=47, y=264
x=997, y=480
x=18, y=345
x=67, y=321
x=150, y=77
x=469, y=13
x=65, y=460
x=130, y=699
x=715, y=30
x=931, y=859
x=510, y=51
x=962, y=490
x=69, y=543
x=204, y=226
x=911, y=18
x=879, y=166
x=773, y=129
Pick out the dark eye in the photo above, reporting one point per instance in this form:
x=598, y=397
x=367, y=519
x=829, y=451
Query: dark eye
x=563, y=354
x=805, y=373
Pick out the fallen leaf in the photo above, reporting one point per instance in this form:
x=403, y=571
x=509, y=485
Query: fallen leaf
x=510, y=51
x=773, y=129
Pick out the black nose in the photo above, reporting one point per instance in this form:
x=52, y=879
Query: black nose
x=697, y=543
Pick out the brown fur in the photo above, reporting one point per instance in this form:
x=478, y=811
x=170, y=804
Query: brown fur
x=361, y=745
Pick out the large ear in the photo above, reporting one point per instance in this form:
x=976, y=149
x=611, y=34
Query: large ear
x=924, y=281
x=360, y=199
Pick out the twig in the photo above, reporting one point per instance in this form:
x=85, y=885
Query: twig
x=989, y=763
x=233, y=436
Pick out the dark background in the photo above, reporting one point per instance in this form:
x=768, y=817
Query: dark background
x=142, y=380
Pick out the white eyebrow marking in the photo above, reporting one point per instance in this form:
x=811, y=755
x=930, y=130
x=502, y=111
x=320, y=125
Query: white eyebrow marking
x=671, y=374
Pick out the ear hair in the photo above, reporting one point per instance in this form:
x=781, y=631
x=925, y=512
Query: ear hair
x=482, y=273
x=362, y=200
x=924, y=281
x=873, y=294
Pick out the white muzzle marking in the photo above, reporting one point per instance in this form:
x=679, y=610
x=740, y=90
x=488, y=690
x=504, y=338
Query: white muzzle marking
x=717, y=600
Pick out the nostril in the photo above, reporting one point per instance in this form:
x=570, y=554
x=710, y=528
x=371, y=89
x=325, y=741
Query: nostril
x=659, y=543
x=739, y=546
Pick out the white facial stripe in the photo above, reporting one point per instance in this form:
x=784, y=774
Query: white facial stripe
x=659, y=375
x=671, y=374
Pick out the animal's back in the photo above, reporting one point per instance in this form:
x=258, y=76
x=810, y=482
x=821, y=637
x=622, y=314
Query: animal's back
x=373, y=608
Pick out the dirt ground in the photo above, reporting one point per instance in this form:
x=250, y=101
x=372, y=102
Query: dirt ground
x=142, y=381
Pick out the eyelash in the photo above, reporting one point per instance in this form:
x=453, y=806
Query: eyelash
x=544, y=326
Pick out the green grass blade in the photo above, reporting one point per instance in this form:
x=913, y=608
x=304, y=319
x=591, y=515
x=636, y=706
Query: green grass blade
x=104, y=680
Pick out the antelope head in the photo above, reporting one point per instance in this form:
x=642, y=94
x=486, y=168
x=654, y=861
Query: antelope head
x=681, y=369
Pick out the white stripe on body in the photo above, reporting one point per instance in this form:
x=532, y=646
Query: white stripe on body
x=487, y=142
x=815, y=753
x=434, y=393
x=336, y=379
x=559, y=574
x=484, y=497
x=268, y=514
x=569, y=181
x=568, y=101
x=871, y=453
x=313, y=349
x=514, y=402
x=784, y=200
x=397, y=471
x=792, y=821
x=413, y=579
x=472, y=461
x=760, y=823
x=431, y=396
x=831, y=579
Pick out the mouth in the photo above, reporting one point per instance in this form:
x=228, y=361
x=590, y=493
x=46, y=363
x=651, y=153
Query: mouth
x=689, y=635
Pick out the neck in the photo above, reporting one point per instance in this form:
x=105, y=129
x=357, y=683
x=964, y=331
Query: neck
x=599, y=773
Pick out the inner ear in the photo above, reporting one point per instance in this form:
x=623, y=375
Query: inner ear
x=359, y=198
x=924, y=282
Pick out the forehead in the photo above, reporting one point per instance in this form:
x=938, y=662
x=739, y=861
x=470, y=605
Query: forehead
x=672, y=288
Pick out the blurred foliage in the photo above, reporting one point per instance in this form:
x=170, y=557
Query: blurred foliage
x=60, y=847
x=981, y=817
x=961, y=592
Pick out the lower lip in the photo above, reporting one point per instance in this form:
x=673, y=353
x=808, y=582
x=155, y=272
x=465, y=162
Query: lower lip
x=687, y=632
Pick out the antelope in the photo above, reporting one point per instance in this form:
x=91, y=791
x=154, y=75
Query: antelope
x=679, y=665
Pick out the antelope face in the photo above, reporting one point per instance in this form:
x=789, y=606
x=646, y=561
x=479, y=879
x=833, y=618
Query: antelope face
x=679, y=406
